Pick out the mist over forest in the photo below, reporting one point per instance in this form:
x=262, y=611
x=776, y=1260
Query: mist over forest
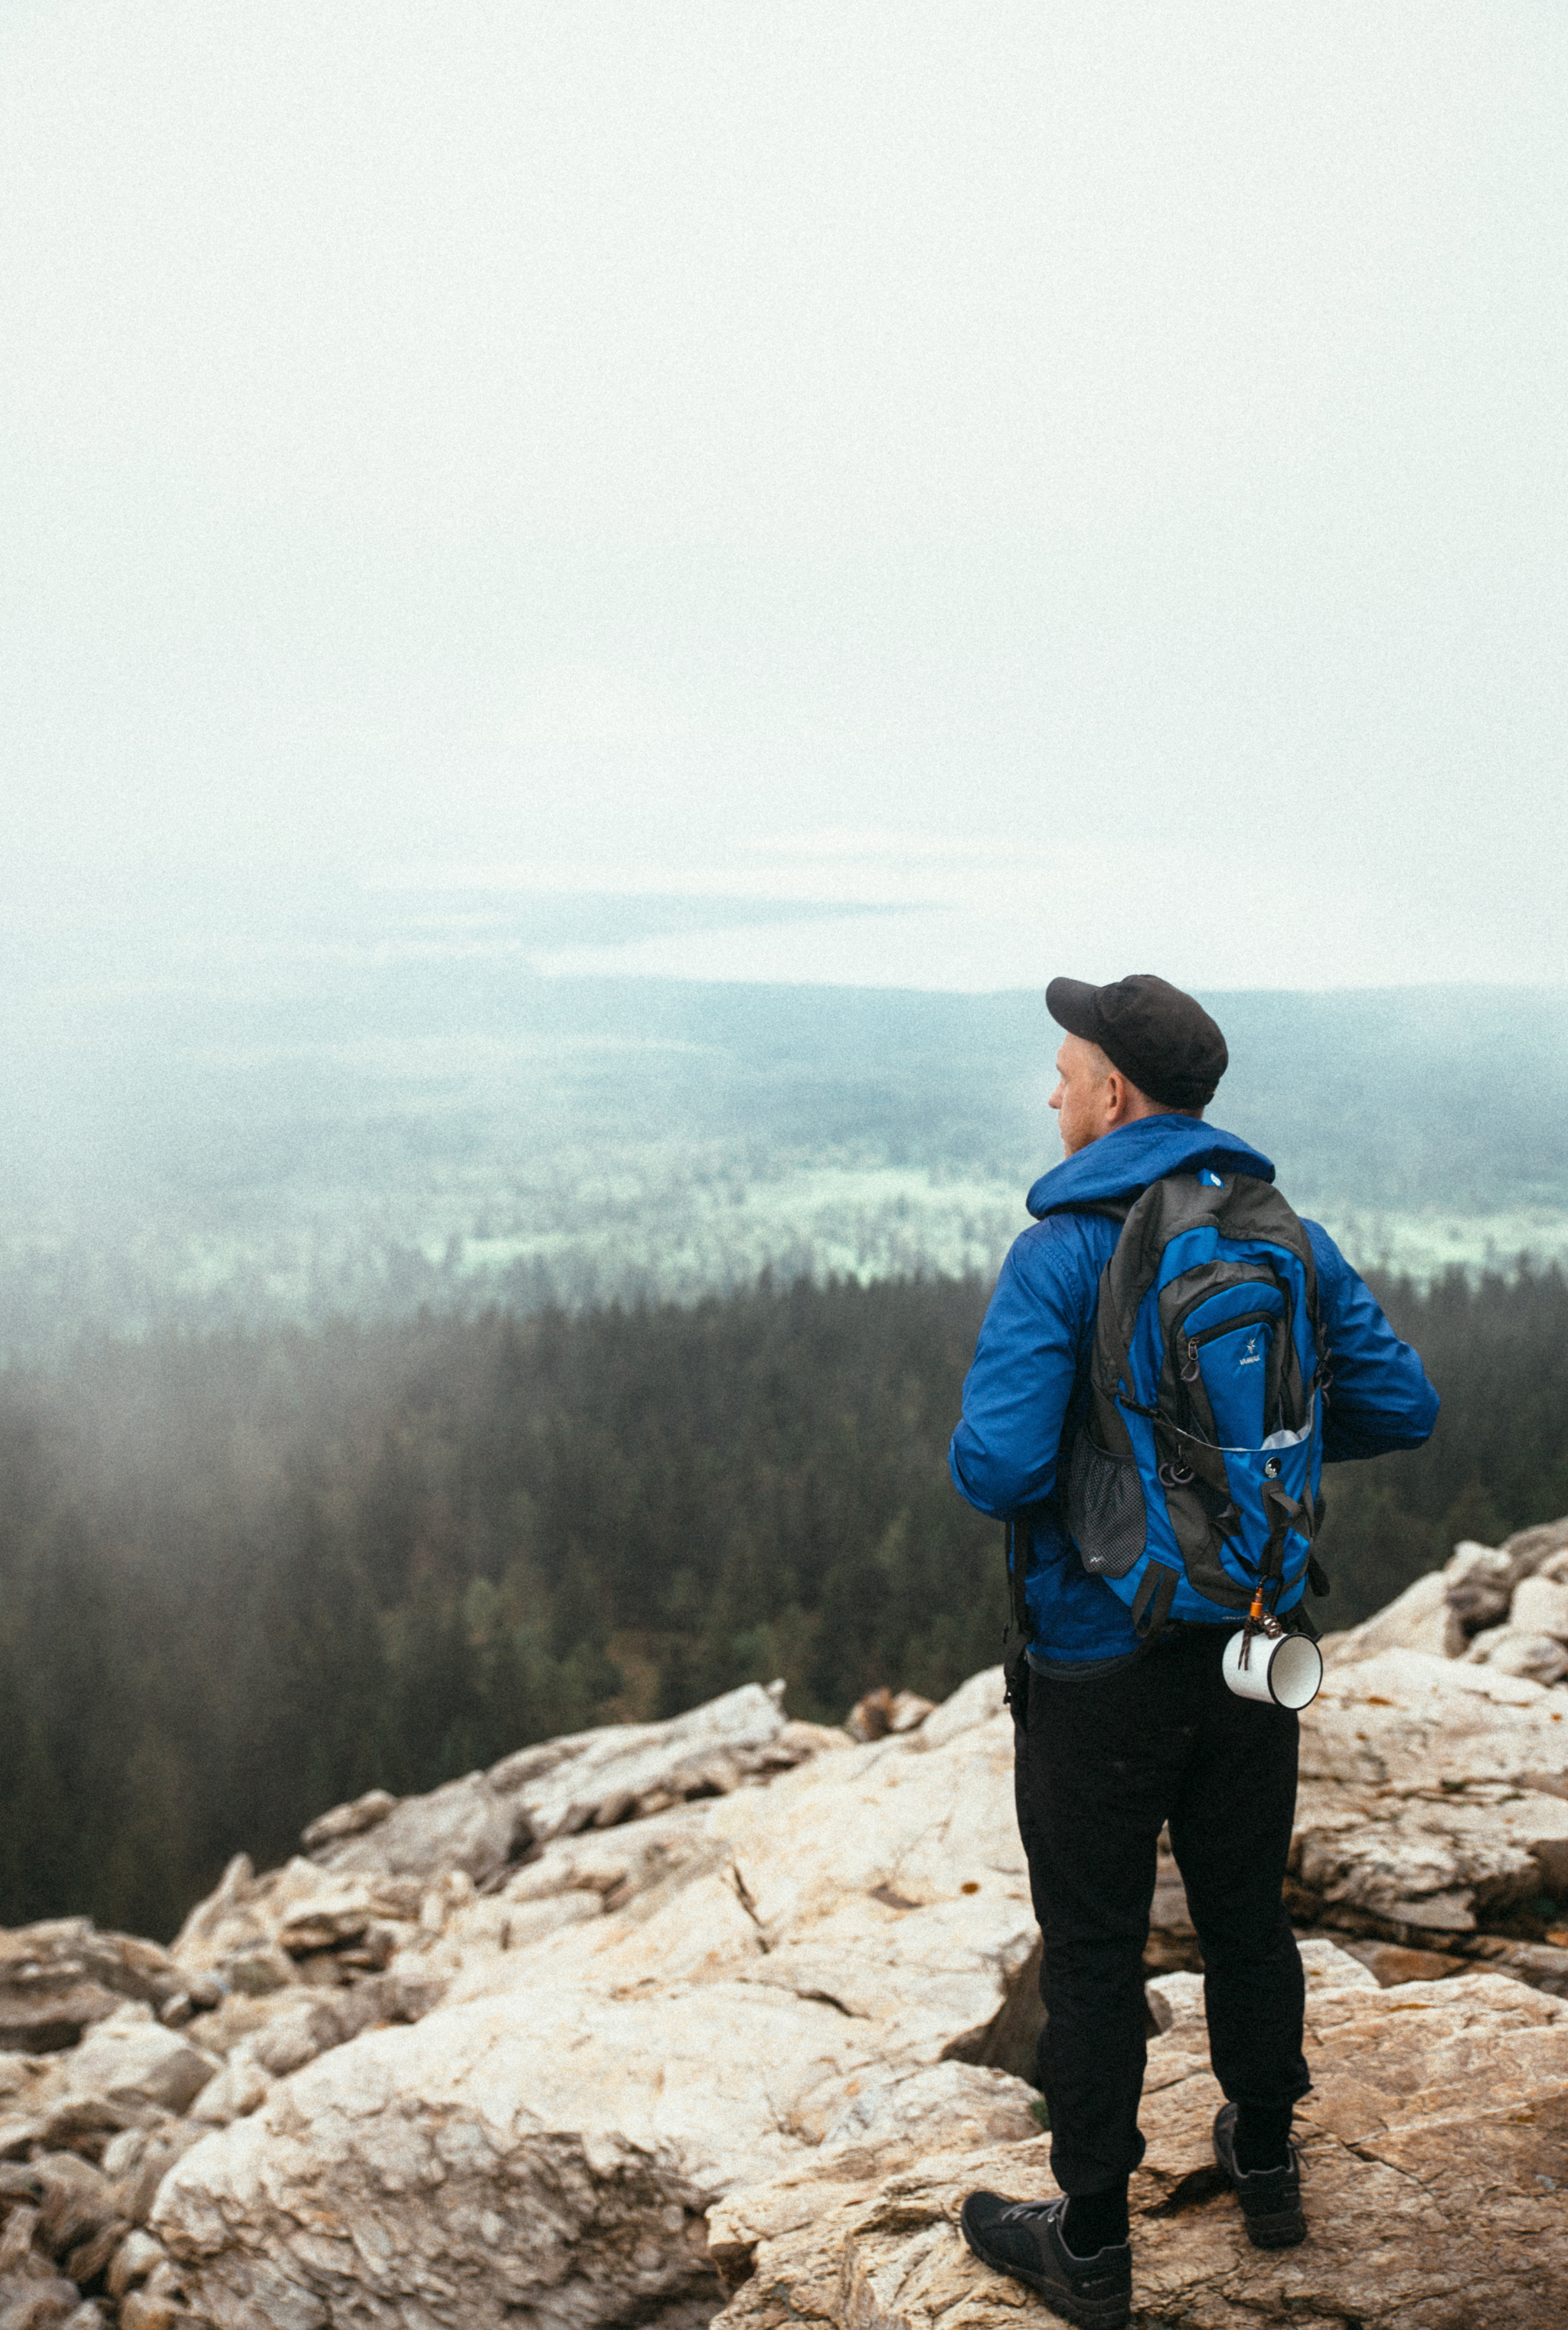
x=225, y=1116
x=242, y=1578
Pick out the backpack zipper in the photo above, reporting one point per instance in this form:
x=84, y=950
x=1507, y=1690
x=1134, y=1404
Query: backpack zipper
x=1225, y=1326
x=1255, y=1275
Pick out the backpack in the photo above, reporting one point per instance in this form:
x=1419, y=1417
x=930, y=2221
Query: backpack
x=1192, y=1488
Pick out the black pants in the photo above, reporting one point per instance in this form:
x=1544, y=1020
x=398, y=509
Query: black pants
x=1100, y=1766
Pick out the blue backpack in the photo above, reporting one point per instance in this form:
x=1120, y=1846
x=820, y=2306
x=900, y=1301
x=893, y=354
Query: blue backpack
x=1192, y=1487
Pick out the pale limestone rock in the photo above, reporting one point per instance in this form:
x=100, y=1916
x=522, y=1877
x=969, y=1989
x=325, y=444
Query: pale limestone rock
x=259, y=1970
x=1419, y=1619
x=61, y=1975
x=134, y=2064
x=31, y=2089
x=697, y=1929
x=492, y=1943
x=1328, y=1967
x=1532, y=1548
x=588, y=1779
x=823, y=1947
x=909, y=1710
x=1404, y=1720
x=1176, y=2005
x=241, y=2087
x=37, y=2304
x=798, y=1740
x=518, y=1926
x=302, y=1889
x=556, y=2150
x=157, y=2302
x=268, y=2037
x=41, y=2018
x=302, y=2028
x=349, y=1819
x=888, y=2123
x=197, y=1943
x=250, y=1931
x=978, y=1701
x=1176, y=2001
x=731, y=1975
x=1479, y=1581
x=1540, y=1607
x=749, y=1717
x=946, y=2105
x=1433, y=1793
x=887, y=1880
x=135, y=2179
x=1436, y=1863
x=326, y=1916
x=1431, y=1797
x=378, y=1867
x=1514, y=1650
x=1433, y=2142
x=466, y=1825
x=137, y=2256
x=597, y=1778
x=890, y=1879
x=140, y=2310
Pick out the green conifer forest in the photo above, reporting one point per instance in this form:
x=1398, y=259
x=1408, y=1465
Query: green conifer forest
x=242, y=1578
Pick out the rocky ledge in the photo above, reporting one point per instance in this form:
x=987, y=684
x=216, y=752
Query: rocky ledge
x=724, y=2016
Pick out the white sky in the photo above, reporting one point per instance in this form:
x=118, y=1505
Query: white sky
x=1094, y=475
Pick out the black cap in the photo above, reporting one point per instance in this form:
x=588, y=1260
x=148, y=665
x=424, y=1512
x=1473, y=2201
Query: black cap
x=1163, y=1040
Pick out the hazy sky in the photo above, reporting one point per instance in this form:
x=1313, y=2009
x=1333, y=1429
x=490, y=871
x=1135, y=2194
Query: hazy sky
x=1092, y=476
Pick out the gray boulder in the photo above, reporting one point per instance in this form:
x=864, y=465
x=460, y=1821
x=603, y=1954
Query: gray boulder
x=61, y=1975
x=1517, y=1649
x=466, y=1826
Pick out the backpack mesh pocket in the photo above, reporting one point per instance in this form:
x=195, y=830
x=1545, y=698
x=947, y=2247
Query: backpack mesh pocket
x=1105, y=1509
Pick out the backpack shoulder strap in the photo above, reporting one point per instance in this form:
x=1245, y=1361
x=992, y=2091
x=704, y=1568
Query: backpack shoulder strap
x=1257, y=1210
x=1166, y=1207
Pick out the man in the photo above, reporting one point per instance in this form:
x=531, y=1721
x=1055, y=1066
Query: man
x=1114, y=1739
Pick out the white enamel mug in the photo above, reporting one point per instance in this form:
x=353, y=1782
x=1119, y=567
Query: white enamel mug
x=1281, y=1670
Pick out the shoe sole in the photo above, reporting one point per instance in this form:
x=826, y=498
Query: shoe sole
x=1087, y=2313
x=1283, y=2231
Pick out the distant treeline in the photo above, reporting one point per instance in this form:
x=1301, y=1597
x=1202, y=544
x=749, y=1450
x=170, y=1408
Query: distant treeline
x=243, y=1580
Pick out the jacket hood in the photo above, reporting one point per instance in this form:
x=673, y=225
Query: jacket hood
x=1123, y=1163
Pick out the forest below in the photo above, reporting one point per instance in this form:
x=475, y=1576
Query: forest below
x=245, y=1577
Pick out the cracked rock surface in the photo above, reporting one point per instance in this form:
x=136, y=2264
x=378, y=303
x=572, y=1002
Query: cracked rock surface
x=639, y=2021
x=1432, y=2180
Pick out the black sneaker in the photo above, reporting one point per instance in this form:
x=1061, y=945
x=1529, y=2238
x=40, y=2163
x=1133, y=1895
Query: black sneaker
x=1023, y=2238
x=1270, y=2198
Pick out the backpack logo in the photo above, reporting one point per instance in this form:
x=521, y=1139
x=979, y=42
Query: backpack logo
x=1252, y=1356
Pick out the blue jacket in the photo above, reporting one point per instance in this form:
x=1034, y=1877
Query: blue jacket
x=1028, y=1390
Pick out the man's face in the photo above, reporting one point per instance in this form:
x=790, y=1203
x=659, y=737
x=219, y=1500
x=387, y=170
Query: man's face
x=1081, y=1097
